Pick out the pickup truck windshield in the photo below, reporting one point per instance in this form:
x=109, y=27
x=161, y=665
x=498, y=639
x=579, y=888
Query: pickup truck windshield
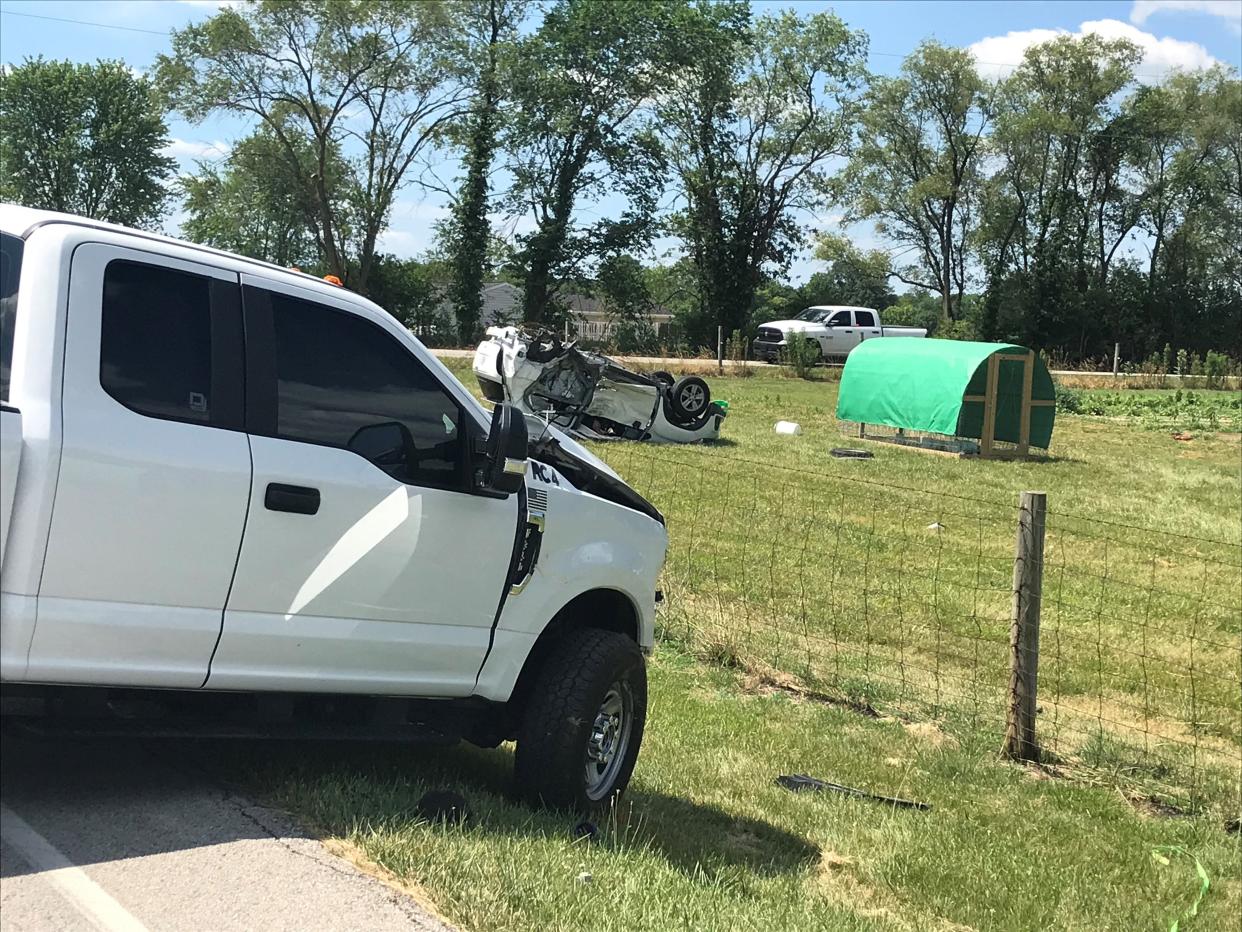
x=10, y=272
x=813, y=314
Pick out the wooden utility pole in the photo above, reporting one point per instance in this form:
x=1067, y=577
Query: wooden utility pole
x=1028, y=571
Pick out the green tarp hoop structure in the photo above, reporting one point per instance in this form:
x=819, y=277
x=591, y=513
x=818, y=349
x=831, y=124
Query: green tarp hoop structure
x=947, y=387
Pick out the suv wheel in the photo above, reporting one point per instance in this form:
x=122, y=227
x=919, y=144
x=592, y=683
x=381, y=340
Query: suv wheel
x=579, y=736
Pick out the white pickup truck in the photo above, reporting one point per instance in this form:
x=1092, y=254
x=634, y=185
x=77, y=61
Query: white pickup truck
x=834, y=328
x=239, y=500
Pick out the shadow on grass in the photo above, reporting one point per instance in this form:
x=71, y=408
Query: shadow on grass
x=338, y=787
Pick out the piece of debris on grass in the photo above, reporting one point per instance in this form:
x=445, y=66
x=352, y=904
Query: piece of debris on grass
x=936, y=526
x=587, y=831
x=1183, y=435
x=847, y=453
x=443, y=806
x=788, y=428
x=585, y=877
x=800, y=782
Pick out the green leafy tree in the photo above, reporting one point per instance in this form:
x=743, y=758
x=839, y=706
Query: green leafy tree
x=846, y=283
x=412, y=292
x=581, y=128
x=492, y=28
x=370, y=80
x=83, y=139
x=916, y=170
x=751, y=122
x=254, y=205
x=1049, y=209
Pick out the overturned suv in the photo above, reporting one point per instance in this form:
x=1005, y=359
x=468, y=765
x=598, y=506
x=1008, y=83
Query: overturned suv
x=589, y=395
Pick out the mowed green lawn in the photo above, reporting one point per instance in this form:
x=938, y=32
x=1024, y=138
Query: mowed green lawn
x=790, y=570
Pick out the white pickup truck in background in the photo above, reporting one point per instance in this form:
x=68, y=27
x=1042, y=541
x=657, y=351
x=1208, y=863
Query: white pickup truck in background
x=835, y=329
x=242, y=500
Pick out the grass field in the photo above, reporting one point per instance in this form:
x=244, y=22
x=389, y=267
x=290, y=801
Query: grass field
x=818, y=623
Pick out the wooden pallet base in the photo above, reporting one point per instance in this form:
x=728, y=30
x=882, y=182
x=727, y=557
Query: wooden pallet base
x=956, y=449
x=934, y=447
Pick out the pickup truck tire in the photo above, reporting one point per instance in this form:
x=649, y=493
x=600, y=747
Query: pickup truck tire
x=579, y=735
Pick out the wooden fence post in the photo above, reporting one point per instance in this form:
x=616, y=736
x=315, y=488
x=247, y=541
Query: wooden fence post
x=1028, y=571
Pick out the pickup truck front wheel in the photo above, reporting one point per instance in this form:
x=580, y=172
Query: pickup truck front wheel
x=579, y=737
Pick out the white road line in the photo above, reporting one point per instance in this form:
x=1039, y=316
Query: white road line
x=82, y=893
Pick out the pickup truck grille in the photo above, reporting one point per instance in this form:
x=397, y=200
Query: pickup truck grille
x=770, y=335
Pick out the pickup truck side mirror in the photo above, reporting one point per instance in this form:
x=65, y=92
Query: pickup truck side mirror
x=507, y=443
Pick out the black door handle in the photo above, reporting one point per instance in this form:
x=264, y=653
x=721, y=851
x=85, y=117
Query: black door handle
x=297, y=499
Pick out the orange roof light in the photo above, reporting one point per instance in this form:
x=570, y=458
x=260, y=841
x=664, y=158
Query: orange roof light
x=333, y=280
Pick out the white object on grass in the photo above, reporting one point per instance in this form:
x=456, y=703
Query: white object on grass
x=788, y=427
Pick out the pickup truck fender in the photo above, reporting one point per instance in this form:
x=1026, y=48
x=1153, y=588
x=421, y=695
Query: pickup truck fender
x=590, y=545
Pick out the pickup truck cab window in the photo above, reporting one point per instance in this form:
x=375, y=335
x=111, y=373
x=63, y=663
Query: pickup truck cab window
x=10, y=272
x=839, y=319
x=155, y=346
x=343, y=382
x=864, y=318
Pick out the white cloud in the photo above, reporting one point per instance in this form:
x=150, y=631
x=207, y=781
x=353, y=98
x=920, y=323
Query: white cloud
x=1228, y=10
x=999, y=55
x=194, y=149
x=402, y=243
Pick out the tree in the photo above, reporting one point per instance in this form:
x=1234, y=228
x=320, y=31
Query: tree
x=408, y=290
x=847, y=283
x=916, y=169
x=493, y=27
x=254, y=205
x=83, y=139
x=366, y=79
x=752, y=119
x=1054, y=212
x=581, y=83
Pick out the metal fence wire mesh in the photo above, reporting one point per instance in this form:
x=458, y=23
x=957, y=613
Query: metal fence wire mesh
x=898, y=601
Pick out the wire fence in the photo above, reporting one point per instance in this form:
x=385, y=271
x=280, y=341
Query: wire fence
x=898, y=601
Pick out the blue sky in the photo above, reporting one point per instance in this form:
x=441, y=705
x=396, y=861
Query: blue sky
x=1173, y=34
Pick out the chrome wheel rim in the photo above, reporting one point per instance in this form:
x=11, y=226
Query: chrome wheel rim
x=609, y=740
x=692, y=397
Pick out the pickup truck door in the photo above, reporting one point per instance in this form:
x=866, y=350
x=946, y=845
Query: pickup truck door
x=867, y=326
x=154, y=473
x=842, y=334
x=368, y=564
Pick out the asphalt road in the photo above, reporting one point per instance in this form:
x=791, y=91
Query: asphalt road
x=125, y=835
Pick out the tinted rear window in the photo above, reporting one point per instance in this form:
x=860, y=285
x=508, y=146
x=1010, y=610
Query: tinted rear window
x=155, y=350
x=10, y=272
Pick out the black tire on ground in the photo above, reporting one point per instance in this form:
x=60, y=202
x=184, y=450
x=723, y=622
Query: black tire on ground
x=664, y=378
x=492, y=391
x=565, y=730
x=690, y=397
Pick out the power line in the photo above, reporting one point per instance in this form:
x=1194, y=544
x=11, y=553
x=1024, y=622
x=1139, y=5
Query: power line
x=83, y=22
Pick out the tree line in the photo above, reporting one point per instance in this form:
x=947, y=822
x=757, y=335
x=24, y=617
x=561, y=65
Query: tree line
x=1065, y=206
